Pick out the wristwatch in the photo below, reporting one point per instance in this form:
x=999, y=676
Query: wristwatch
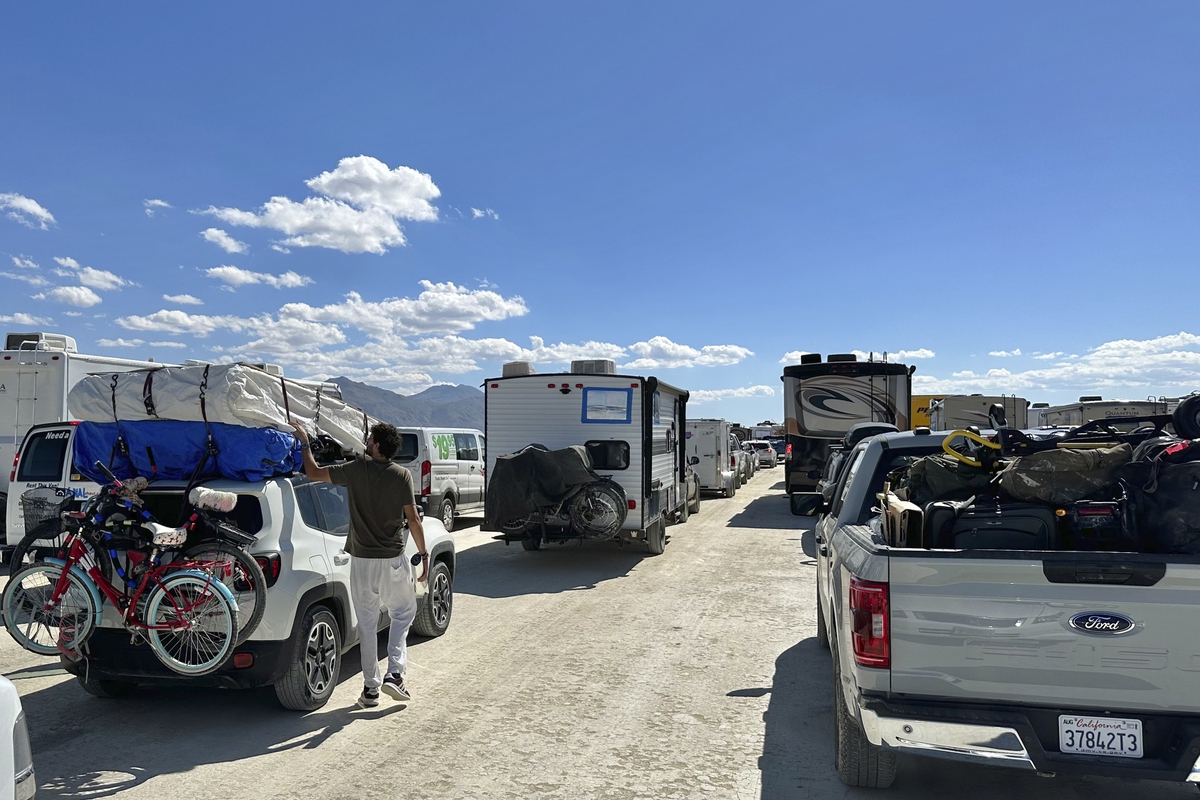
x=418, y=558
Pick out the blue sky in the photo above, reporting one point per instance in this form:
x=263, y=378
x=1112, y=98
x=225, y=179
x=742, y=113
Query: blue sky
x=694, y=189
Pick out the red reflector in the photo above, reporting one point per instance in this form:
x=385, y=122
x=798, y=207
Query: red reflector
x=243, y=660
x=495, y=386
x=579, y=386
x=54, y=358
x=566, y=386
x=1096, y=512
x=549, y=385
x=634, y=385
x=632, y=505
x=870, y=625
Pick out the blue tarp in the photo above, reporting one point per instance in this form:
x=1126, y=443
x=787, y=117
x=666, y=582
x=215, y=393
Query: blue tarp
x=171, y=450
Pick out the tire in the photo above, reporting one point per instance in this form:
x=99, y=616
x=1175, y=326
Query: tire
x=316, y=662
x=694, y=507
x=44, y=540
x=822, y=629
x=433, y=615
x=1186, y=418
x=656, y=538
x=43, y=631
x=683, y=512
x=107, y=689
x=599, y=509
x=857, y=761
x=242, y=576
x=197, y=650
x=532, y=542
x=446, y=513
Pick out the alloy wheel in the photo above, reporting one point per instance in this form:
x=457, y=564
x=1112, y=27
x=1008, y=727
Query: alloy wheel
x=320, y=657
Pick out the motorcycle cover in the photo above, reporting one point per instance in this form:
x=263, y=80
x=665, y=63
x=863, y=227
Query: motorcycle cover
x=172, y=450
x=534, y=478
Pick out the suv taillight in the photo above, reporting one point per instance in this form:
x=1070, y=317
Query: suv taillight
x=271, y=565
x=870, y=623
x=426, y=477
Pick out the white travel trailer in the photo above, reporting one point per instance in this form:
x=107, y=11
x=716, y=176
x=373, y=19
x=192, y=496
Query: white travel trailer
x=37, y=370
x=964, y=410
x=1093, y=407
x=632, y=427
x=709, y=454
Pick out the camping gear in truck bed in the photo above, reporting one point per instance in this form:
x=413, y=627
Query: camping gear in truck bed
x=989, y=525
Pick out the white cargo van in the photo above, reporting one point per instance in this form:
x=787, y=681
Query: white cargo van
x=448, y=466
x=37, y=370
x=708, y=451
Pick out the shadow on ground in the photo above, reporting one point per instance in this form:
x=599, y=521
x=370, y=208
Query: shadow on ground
x=764, y=513
x=499, y=570
x=797, y=757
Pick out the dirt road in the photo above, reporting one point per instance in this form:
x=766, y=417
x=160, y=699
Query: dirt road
x=584, y=671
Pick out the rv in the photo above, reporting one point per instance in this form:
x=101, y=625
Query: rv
x=631, y=426
x=824, y=400
x=1094, y=407
x=708, y=450
x=36, y=372
x=965, y=410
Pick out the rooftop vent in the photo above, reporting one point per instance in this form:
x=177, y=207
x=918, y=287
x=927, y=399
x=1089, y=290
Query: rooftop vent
x=1041, y=405
x=514, y=369
x=40, y=341
x=810, y=358
x=595, y=366
x=1090, y=398
x=840, y=357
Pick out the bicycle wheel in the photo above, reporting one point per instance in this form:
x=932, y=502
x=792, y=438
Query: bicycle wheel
x=242, y=576
x=44, y=540
x=48, y=631
x=202, y=618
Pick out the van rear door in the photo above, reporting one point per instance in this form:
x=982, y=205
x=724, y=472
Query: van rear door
x=42, y=462
x=1107, y=631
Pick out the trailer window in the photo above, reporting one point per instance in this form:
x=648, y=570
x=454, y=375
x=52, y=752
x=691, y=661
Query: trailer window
x=608, y=455
x=43, y=456
x=607, y=405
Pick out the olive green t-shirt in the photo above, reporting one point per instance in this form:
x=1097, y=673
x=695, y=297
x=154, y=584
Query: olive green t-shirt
x=379, y=491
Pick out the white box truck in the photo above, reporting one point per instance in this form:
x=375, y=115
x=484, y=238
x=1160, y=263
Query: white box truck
x=709, y=453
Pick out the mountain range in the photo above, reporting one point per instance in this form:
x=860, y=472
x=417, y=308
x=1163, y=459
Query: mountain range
x=442, y=406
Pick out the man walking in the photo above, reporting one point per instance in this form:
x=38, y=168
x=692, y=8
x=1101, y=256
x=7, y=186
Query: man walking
x=381, y=499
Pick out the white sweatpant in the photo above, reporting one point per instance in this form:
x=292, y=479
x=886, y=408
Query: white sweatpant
x=387, y=583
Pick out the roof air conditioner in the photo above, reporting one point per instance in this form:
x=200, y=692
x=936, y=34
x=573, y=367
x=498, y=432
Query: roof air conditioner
x=514, y=369
x=841, y=357
x=1090, y=398
x=595, y=366
x=810, y=358
x=40, y=341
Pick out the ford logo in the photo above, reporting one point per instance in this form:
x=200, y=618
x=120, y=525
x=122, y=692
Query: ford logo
x=1104, y=622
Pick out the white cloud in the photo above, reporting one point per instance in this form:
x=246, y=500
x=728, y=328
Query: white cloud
x=24, y=262
x=183, y=299
x=357, y=210
x=32, y=280
x=1136, y=367
x=26, y=211
x=1005, y=353
x=236, y=276
x=100, y=279
x=712, y=395
x=73, y=313
x=792, y=356
x=167, y=344
x=153, y=205
x=280, y=249
x=1049, y=356
x=223, y=240
x=662, y=353
x=120, y=342
x=22, y=318
x=477, y=213
x=78, y=296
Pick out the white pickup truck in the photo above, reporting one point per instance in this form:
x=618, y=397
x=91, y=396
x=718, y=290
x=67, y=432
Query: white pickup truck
x=1057, y=661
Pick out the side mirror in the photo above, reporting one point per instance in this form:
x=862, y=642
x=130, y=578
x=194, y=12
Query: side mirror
x=694, y=460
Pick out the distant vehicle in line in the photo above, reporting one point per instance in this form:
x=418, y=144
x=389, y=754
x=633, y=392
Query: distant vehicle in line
x=958, y=411
x=448, y=466
x=709, y=454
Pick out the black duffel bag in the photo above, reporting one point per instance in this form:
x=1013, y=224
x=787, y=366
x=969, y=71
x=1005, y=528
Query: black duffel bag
x=1170, y=514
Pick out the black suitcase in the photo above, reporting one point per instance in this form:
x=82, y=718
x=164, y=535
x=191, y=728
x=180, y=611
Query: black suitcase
x=987, y=525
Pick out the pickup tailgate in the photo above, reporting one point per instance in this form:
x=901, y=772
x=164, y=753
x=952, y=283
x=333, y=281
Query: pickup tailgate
x=1001, y=629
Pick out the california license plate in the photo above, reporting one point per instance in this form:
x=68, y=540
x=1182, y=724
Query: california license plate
x=1100, y=736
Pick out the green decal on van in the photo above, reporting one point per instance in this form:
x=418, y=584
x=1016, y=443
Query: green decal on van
x=444, y=442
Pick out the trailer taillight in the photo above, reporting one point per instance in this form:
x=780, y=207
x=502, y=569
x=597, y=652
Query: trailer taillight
x=426, y=477
x=870, y=623
x=732, y=460
x=787, y=454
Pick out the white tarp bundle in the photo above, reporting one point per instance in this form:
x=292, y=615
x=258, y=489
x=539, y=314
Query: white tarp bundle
x=234, y=395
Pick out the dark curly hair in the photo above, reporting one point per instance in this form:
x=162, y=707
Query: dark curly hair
x=387, y=437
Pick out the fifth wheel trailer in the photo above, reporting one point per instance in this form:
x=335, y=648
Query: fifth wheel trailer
x=957, y=411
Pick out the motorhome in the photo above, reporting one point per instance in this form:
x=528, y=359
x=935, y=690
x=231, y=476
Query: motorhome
x=631, y=426
x=822, y=400
x=37, y=370
x=708, y=450
x=1094, y=407
x=965, y=410
x=920, y=409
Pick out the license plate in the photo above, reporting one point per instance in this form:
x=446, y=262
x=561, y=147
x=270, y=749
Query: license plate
x=1100, y=736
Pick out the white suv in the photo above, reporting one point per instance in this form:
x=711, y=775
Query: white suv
x=309, y=621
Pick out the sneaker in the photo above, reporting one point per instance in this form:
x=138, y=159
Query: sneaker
x=393, y=685
x=368, y=699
